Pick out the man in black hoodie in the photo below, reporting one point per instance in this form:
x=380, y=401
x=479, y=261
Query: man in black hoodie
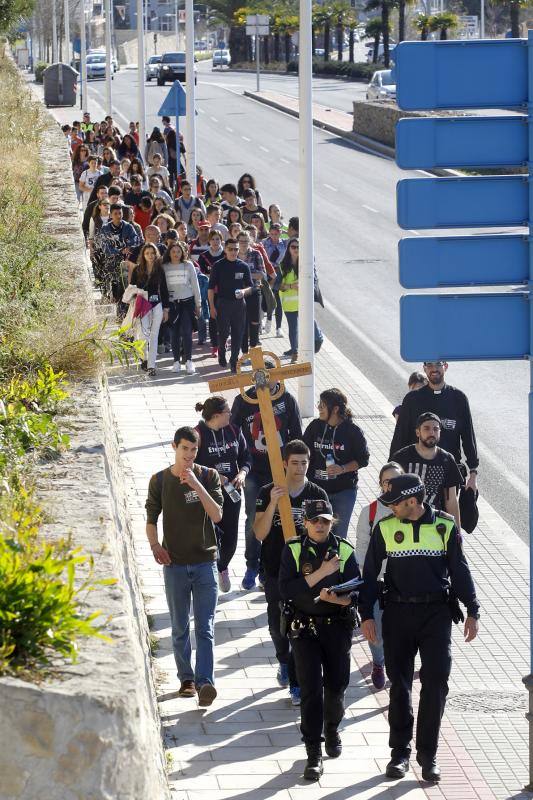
x=289, y=426
x=451, y=406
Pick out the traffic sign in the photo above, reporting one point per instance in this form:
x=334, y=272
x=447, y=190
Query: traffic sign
x=174, y=104
x=490, y=73
x=484, y=202
x=461, y=142
x=434, y=262
x=464, y=327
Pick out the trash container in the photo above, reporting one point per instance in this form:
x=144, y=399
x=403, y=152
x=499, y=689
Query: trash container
x=60, y=85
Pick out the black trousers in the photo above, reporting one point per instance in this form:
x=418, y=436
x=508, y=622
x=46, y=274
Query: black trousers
x=409, y=628
x=229, y=531
x=231, y=316
x=250, y=336
x=323, y=671
x=281, y=643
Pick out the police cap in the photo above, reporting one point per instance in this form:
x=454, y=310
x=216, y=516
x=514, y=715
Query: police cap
x=318, y=508
x=402, y=488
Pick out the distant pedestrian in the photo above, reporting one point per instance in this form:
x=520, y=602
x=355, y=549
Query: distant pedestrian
x=416, y=381
x=190, y=497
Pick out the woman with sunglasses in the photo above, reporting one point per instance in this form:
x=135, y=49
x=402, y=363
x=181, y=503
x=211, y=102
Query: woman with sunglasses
x=321, y=629
x=247, y=181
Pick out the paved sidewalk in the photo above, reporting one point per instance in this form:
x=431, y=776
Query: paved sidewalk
x=247, y=744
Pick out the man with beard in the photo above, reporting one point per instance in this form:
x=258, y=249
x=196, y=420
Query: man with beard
x=452, y=408
x=436, y=467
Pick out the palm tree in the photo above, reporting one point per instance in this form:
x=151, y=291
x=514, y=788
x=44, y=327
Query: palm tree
x=514, y=13
x=351, y=23
x=386, y=6
x=423, y=25
x=225, y=13
x=401, y=17
x=340, y=11
x=322, y=15
x=444, y=22
x=373, y=31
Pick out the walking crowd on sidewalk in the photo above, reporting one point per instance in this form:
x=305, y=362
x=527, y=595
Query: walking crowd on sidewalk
x=216, y=261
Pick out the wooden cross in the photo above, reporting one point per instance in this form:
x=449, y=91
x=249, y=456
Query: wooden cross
x=260, y=377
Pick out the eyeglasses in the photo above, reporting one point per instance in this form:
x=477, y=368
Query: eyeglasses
x=320, y=404
x=232, y=249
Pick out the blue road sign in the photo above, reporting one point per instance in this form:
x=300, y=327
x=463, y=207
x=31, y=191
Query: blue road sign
x=433, y=262
x=174, y=104
x=466, y=327
x=489, y=73
x=461, y=142
x=485, y=202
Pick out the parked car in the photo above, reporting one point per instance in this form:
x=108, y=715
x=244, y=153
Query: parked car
x=381, y=52
x=151, y=67
x=172, y=68
x=221, y=58
x=382, y=86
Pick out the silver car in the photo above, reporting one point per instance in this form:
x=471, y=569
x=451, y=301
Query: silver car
x=382, y=86
x=151, y=67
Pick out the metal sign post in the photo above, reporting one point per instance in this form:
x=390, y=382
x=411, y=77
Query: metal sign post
x=108, y=64
x=257, y=25
x=491, y=326
x=190, y=158
x=141, y=100
x=83, y=59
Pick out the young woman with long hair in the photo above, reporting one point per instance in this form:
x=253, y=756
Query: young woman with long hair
x=149, y=276
x=185, y=302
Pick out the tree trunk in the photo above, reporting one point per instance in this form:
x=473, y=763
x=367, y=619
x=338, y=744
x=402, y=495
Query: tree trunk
x=443, y=34
x=340, y=41
x=276, y=46
x=514, y=10
x=401, y=21
x=385, y=32
x=238, y=46
x=266, y=49
x=287, y=48
x=327, y=40
x=250, y=53
x=376, y=49
x=351, y=46
x=424, y=34
x=313, y=41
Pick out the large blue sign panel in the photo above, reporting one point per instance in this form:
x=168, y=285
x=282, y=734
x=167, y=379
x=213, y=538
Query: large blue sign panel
x=490, y=73
x=174, y=103
x=433, y=262
x=461, y=142
x=466, y=327
x=485, y=202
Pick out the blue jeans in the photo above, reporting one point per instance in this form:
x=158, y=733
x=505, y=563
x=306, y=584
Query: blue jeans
x=376, y=649
x=342, y=504
x=252, y=548
x=198, y=581
x=292, y=322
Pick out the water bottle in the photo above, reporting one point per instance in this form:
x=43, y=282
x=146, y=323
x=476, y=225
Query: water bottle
x=329, y=463
x=232, y=492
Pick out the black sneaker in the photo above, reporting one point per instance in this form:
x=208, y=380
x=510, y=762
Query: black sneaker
x=144, y=366
x=398, y=767
x=333, y=744
x=314, y=767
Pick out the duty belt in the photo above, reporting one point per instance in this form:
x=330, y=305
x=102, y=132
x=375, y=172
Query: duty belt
x=431, y=597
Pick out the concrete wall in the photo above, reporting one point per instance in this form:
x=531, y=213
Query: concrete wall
x=378, y=120
x=93, y=732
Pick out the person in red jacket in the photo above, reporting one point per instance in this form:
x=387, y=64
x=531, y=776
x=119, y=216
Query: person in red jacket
x=143, y=212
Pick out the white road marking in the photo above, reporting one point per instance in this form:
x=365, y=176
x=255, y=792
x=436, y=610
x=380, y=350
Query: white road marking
x=229, y=130
x=246, y=139
x=369, y=208
x=201, y=110
x=214, y=119
x=330, y=187
x=264, y=149
x=285, y=160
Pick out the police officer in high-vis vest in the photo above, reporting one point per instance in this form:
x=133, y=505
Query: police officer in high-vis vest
x=320, y=629
x=426, y=572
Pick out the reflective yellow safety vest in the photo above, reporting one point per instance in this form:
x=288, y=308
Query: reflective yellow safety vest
x=431, y=539
x=345, y=550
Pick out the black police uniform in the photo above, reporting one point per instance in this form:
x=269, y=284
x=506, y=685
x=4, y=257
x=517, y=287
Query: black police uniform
x=425, y=560
x=321, y=633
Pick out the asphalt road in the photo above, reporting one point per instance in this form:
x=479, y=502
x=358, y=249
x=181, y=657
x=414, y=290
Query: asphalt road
x=356, y=240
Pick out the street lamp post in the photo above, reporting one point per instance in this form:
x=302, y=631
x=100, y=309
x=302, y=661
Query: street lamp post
x=306, y=309
x=67, y=58
x=141, y=100
x=108, y=64
x=83, y=58
x=191, y=104
x=54, y=32
x=482, y=19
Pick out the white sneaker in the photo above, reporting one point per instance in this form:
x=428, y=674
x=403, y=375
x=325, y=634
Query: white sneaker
x=189, y=367
x=279, y=334
x=176, y=366
x=268, y=326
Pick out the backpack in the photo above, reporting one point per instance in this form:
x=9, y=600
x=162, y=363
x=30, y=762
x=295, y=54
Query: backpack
x=372, y=511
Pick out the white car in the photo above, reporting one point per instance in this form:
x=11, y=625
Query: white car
x=221, y=58
x=101, y=52
x=151, y=67
x=382, y=86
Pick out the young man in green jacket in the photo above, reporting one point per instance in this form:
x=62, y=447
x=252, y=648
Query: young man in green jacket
x=190, y=497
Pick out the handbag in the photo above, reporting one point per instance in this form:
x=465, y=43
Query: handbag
x=468, y=509
x=142, y=307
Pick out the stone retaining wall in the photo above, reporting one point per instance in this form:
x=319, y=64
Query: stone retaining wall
x=378, y=120
x=93, y=733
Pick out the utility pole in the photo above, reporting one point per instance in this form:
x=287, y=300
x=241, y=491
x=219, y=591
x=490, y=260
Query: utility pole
x=54, y=32
x=482, y=20
x=177, y=25
x=108, y=64
x=190, y=142
x=306, y=308
x=67, y=58
x=83, y=59
x=141, y=100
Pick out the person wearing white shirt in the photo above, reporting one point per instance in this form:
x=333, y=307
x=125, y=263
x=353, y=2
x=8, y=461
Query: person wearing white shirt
x=87, y=180
x=185, y=302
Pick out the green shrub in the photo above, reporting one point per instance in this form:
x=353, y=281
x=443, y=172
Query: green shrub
x=357, y=72
x=40, y=613
x=38, y=72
